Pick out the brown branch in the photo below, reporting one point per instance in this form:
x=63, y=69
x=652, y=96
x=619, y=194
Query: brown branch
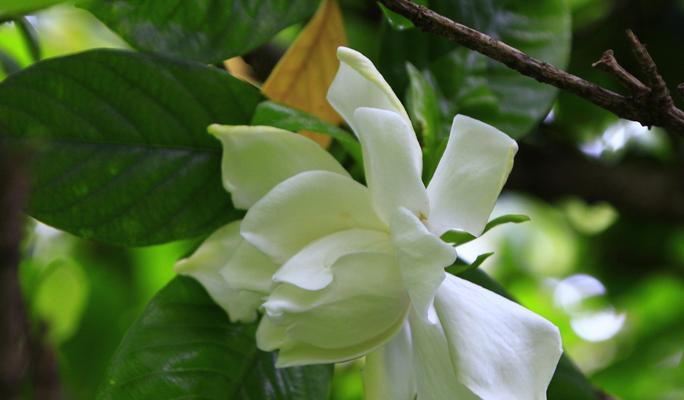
x=14, y=345
x=609, y=64
x=24, y=352
x=649, y=110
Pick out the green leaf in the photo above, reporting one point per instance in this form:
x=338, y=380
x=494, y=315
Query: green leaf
x=505, y=219
x=20, y=7
x=568, y=382
x=119, y=146
x=423, y=107
x=203, y=30
x=283, y=117
x=473, y=84
x=460, y=266
x=458, y=237
x=183, y=346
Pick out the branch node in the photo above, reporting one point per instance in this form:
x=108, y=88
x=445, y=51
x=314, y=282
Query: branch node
x=609, y=64
x=660, y=92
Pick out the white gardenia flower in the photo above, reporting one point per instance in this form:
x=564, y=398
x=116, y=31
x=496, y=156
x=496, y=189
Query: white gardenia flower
x=341, y=270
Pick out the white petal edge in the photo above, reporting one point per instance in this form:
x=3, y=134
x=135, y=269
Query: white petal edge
x=359, y=84
x=422, y=258
x=475, y=165
x=501, y=350
x=388, y=371
x=235, y=274
x=311, y=268
x=435, y=375
x=392, y=161
x=305, y=208
x=256, y=158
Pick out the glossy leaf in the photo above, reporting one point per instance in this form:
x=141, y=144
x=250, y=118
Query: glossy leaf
x=203, y=30
x=184, y=346
x=283, y=117
x=568, y=382
x=119, y=143
x=303, y=75
x=473, y=84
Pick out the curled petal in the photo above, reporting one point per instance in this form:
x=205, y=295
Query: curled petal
x=305, y=208
x=236, y=275
x=311, y=268
x=363, y=307
x=501, y=349
x=388, y=372
x=256, y=158
x=359, y=84
x=469, y=177
x=422, y=258
x=393, y=162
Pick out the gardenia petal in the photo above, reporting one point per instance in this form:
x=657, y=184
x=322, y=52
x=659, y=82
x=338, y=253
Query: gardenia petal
x=359, y=84
x=435, y=373
x=256, y=158
x=362, y=308
x=311, y=268
x=422, y=258
x=469, y=177
x=502, y=350
x=234, y=273
x=393, y=162
x=307, y=207
x=388, y=371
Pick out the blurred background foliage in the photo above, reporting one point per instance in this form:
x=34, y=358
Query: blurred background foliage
x=609, y=275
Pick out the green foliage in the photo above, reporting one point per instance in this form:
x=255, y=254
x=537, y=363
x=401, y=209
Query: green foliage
x=203, y=30
x=19, y=7
x=119, y=146
x=471, y=83
x=184, y=346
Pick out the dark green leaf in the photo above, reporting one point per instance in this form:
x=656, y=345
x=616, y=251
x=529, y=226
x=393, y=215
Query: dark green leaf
x=283, y=117
x=184, y=346
x=203, y=30
x=119, y=143
x=505, y=219
x=473, y=84
x=568, y=382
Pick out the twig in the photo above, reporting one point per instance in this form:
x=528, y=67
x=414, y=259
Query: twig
x=609, y=64
x=650, y=110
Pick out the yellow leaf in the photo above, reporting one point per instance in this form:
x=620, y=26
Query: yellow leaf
x=237, y=67
x=303, y=75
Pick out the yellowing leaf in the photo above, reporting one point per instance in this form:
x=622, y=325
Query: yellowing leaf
x=302, y=77
x=237, y=67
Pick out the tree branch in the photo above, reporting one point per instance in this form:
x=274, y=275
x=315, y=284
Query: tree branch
x=654, y=107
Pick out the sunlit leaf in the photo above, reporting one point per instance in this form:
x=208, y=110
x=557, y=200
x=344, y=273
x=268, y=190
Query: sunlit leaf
x=461, y=266
x=302, y=77
x=19, y=7
x=506, y=219
x=184, y=346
